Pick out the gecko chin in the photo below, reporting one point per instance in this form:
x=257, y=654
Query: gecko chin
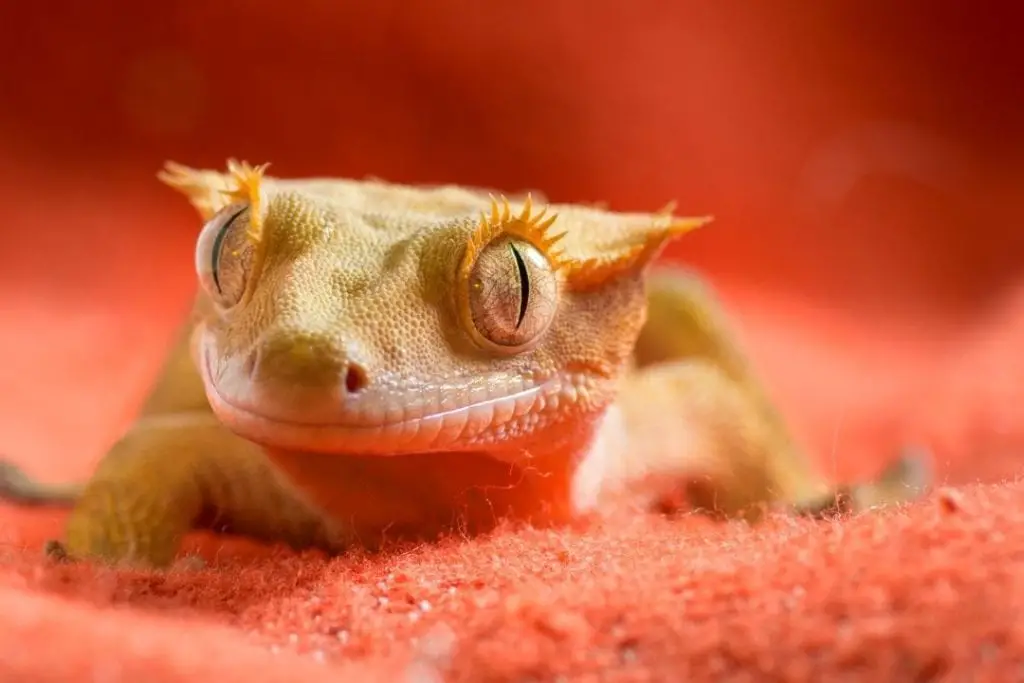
x=394, y=418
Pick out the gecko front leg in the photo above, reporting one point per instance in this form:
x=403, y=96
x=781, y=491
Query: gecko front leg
x=697, y=416
x=175, y=473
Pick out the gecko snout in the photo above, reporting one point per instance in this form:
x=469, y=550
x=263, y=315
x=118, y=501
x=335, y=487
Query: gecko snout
x=307, y=360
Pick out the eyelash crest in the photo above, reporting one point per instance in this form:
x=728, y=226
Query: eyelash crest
x=535, y=229
x=247, y=180
x=640, y=246
x=639, y=242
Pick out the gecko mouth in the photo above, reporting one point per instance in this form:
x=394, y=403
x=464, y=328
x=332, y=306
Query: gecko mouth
x=391, y=419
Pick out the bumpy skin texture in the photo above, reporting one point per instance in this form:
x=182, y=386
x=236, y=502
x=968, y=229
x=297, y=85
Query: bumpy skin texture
x=370, y=361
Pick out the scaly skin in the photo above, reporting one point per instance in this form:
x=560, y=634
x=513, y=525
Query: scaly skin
x=367, y=361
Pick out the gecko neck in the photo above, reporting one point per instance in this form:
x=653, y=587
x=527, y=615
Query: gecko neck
x=425, y=495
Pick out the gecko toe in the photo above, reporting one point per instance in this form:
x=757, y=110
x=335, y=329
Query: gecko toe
x=913, y=471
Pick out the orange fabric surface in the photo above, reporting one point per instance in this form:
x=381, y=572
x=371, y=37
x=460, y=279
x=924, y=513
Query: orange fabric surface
x=864, y=174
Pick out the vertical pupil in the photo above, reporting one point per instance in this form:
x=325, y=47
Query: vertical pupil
x=218, y=245
x=524, y=284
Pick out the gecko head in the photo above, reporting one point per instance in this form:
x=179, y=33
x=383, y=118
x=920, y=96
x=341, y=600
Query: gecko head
x=356, y=317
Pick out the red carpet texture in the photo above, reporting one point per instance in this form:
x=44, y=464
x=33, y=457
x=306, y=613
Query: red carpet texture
x=863, y=162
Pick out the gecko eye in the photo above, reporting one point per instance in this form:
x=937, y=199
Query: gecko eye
x=225, y=254
x=513, y=294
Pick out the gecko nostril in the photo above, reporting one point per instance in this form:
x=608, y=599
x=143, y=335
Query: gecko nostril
x=355, y=378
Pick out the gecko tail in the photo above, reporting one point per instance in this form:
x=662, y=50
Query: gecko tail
x=19, y=488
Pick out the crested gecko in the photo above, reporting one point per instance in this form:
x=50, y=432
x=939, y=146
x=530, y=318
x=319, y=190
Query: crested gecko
x=369, y=360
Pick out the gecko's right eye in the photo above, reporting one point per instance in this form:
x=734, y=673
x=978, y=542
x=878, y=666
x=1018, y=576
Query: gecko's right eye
x=512, y=295
x=225, y=254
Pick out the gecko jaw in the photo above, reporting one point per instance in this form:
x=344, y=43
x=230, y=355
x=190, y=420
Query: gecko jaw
x=392, y=420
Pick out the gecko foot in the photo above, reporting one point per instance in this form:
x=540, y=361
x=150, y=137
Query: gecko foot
x=55, y=551
x=904, y=480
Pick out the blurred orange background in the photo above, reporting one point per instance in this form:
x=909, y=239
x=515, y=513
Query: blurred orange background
x=862, y=161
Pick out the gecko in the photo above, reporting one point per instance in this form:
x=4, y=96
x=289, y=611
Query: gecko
x=369, y=360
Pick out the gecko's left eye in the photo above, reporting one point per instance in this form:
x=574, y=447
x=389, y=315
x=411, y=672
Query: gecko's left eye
x=225, y=255
x=513, y=294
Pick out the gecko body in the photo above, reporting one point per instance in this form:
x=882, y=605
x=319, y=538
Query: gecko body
x=371, y=360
